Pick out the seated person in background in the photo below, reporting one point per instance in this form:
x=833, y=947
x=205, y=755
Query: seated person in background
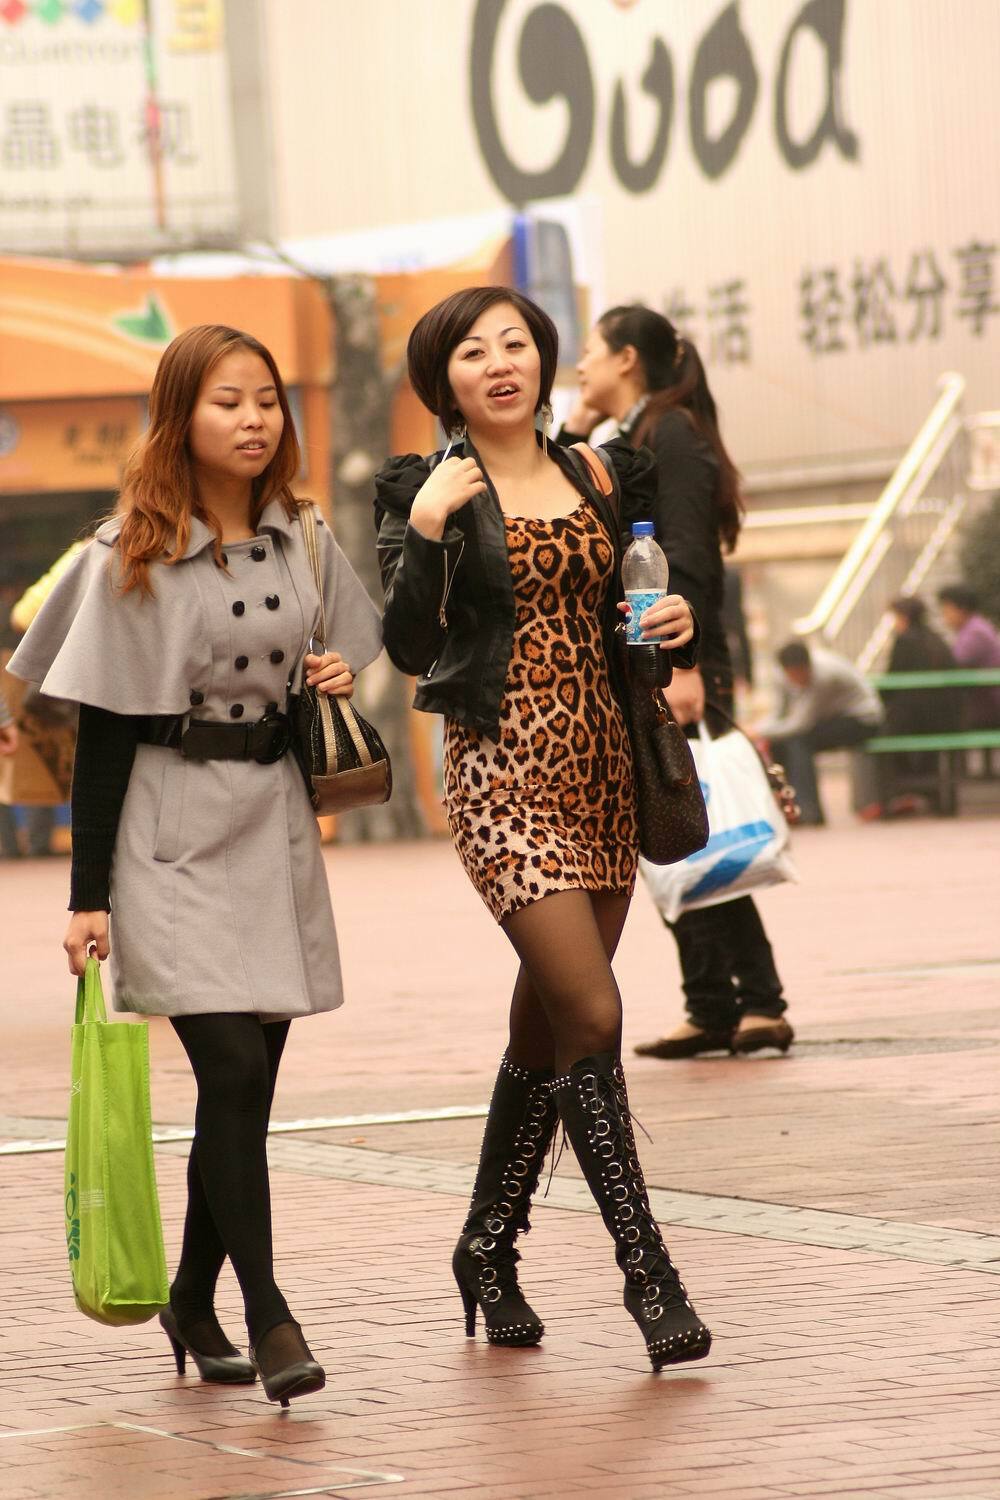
x=976, y=643
x=828, y=705
x=916, y=647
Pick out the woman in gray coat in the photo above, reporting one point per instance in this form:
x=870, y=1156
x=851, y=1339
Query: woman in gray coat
x=181, y=631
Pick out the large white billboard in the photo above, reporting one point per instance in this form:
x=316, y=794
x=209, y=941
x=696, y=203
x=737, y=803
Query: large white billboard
x=807, y=186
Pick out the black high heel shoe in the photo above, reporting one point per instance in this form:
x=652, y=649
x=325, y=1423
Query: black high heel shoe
x=220, y=1369
x=285, y=1364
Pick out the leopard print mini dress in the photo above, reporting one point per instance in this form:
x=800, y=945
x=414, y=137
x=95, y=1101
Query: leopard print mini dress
x=550, y=805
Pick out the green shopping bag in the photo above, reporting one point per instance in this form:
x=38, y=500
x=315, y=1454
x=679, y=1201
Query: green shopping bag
x=113, y=1230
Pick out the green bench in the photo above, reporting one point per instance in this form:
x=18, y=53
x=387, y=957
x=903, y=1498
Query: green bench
x=951, y=765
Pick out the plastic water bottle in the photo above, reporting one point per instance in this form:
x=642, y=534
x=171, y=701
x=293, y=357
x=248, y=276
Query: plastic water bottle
x=646, y=577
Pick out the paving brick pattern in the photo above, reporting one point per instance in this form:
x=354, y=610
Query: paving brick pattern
x=834, y=1215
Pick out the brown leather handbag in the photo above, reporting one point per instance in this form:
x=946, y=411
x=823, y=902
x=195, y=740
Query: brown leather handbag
x=343, y=757
x=673, y=819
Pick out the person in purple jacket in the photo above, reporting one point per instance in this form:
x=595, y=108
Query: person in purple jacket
x=976, y=643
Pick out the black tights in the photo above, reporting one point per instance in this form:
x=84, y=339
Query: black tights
x=566, y=1003
x=235, y=1060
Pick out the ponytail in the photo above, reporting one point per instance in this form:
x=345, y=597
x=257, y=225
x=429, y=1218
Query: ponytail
x=676, y=381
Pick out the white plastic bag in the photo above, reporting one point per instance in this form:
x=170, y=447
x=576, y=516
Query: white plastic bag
x=748, y=838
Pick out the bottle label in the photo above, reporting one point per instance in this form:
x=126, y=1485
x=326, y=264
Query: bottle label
x=638, y=601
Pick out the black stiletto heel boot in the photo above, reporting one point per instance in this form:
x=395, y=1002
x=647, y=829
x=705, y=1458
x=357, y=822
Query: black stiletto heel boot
x=594, y=1107
x=518, y=1133
x=469, y=1305
x=220, y=1369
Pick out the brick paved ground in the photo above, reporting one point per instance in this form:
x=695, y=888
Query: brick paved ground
x=833, y=1212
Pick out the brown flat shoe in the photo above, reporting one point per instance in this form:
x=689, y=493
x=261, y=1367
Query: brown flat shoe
x=669, y=1047
x=768, y=1034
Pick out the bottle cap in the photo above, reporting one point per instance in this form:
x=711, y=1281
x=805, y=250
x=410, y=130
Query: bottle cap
x=642, y=528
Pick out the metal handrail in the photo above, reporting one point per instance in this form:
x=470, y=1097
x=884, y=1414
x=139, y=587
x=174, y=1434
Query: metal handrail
x=910, y=472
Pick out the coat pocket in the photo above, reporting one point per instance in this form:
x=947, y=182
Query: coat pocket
x=166, y=845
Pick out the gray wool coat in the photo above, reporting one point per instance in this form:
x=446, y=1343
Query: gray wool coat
x=219, y=898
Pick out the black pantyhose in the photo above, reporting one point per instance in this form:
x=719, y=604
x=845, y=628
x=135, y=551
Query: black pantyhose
x=566, y=1004
x=235, y=1060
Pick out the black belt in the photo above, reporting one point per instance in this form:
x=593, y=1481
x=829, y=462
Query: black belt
x=264, y=741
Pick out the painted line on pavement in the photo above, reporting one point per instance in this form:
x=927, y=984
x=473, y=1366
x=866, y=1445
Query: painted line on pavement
x=899, y=1239
x=931, y=970
x=957, y=1249
x=357, y=1478
x=171, y=1133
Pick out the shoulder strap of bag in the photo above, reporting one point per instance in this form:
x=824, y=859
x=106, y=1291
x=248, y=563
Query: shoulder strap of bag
x=600, y=475
x=309, y=518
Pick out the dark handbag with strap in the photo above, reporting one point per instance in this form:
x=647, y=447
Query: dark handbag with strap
x=343, y=757
x=673, y=819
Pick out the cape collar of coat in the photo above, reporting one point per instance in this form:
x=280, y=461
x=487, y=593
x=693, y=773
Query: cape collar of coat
x=274, y=519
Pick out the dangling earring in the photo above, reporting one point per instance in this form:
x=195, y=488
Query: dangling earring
x=546, y=414
x=456, y=435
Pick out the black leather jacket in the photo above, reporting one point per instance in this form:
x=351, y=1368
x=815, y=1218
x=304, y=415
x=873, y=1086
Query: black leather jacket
x=449, y=604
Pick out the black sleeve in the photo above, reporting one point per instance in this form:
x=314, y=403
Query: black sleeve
x=684, y=509
x=417, y=575
x=105, y=752
x=417, y=572
x=734, y=622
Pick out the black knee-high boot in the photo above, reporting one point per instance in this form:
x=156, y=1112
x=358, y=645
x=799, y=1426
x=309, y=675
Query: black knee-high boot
x=594, y=1107
x=518, y=1133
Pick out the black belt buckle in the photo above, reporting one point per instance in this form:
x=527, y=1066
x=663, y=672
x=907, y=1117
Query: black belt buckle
x=269, y=738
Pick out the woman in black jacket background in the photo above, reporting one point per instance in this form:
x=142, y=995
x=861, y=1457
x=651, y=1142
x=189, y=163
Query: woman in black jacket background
x=638, y=370
x=916, y=647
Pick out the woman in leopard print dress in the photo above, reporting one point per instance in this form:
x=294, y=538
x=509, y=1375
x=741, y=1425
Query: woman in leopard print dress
x=548, y=805
x=501, y=568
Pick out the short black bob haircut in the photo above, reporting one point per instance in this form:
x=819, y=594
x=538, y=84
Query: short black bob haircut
x=795, y=654
x=909, y=607
x=435, y=336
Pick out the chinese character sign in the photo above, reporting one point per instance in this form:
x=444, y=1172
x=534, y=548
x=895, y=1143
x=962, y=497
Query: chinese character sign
x=115, y=127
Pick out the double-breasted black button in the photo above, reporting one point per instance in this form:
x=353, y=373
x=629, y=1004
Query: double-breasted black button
x=195, y=698
x=241, y=663
x=258, y=553
x=236, y=712
x=272, y=601
x=239, y=608
x=277, y=657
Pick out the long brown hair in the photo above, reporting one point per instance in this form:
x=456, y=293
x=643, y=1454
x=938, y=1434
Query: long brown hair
x=676, y=380
x=158, y=493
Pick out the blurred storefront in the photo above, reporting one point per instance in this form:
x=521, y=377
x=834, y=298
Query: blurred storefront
x=78, y=349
